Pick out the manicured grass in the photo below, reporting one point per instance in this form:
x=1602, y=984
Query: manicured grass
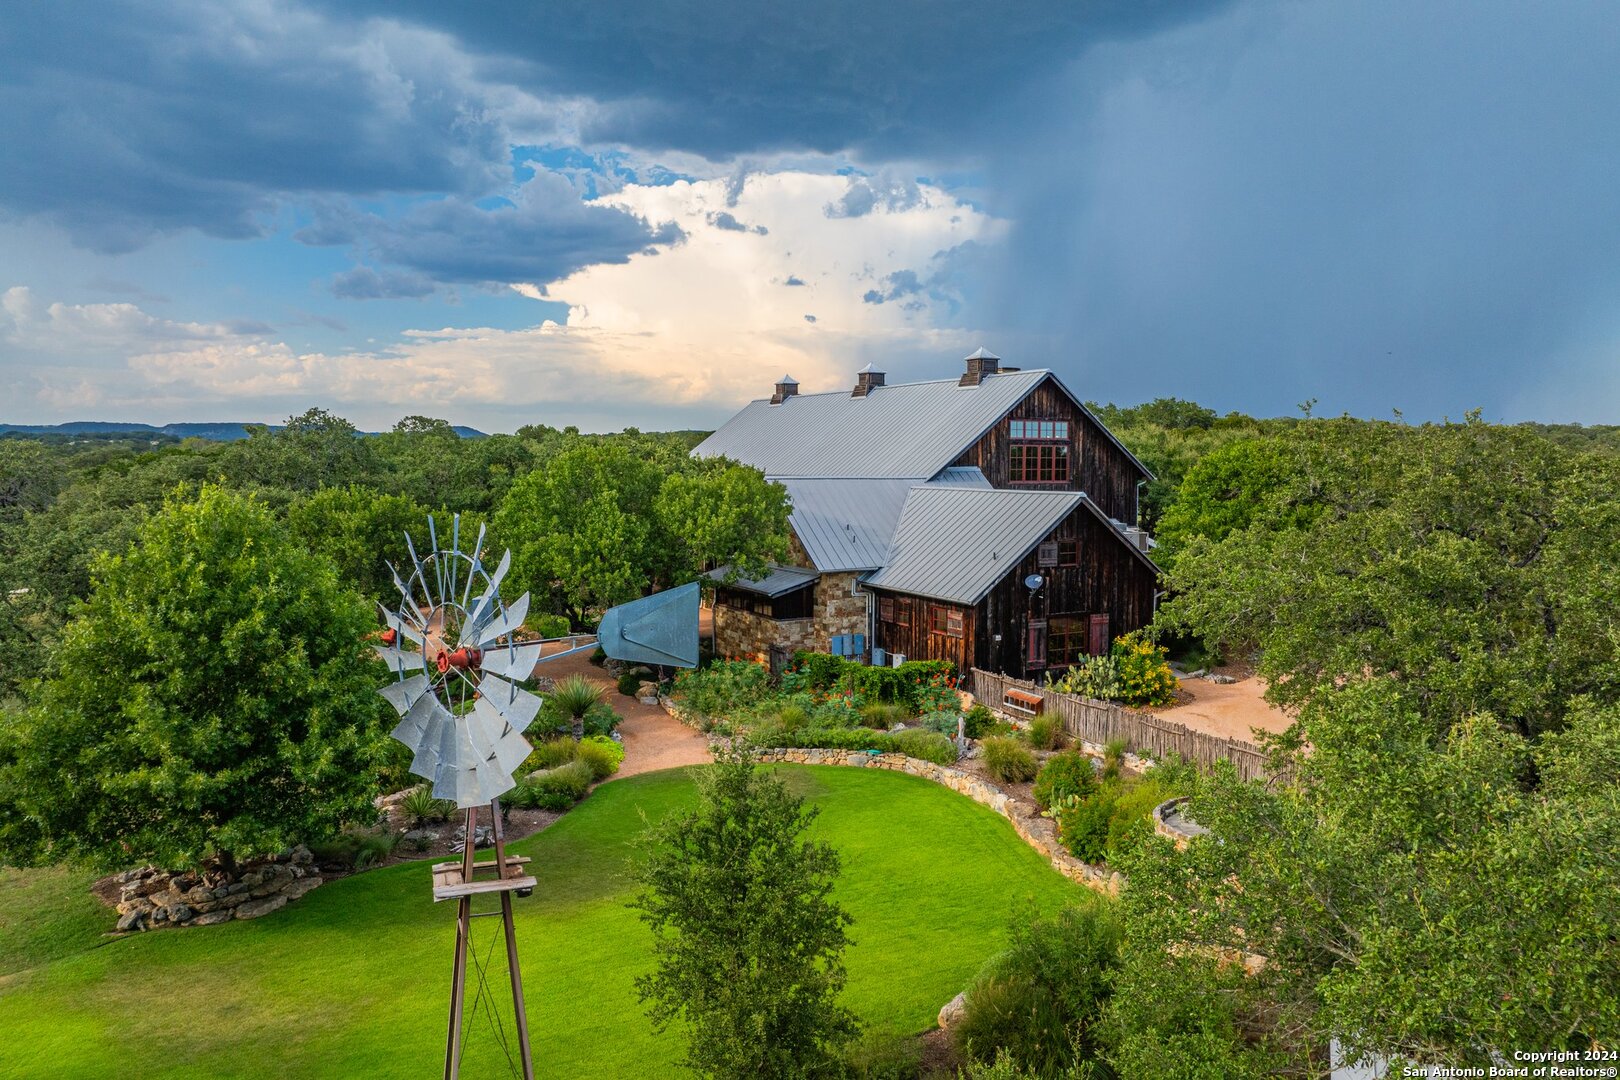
x=353, y=980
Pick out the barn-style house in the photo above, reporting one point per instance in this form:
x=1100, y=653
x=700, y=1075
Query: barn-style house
x=988, y=519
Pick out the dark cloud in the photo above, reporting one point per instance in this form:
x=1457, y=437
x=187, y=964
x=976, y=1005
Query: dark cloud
x=793, y=281
x=126, y=120
x=545, y=232
x=728, y=221
x=1378, y=205
x=729, y=77
x=364, y=283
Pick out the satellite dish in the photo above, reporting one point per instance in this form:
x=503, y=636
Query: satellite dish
x=1033, y=582
x=456, y=662
x=657, y=629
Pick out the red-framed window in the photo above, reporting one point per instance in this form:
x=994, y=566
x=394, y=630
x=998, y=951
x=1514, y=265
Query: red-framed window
x=1039, y=451
x=945, y=621
x=1068, y=638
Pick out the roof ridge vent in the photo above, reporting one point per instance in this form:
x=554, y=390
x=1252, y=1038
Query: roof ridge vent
x=980, y=362
x=786, y=387
x=867, y=379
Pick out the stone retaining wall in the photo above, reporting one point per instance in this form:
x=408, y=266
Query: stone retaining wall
x=152, y=899
x=1038, y=832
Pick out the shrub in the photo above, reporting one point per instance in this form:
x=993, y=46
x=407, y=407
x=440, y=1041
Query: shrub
x=376, y=847
x=601, y=719
x=1046, y=732
x=1041, y=1002
x=1083, y=823
x=881, y=1056
x=630, y=682
x=555, y=789
x=1008, y=760
x=883, y=714
x=979, y=721
x=599, y=656
x=945, y=722
x=357, y=850
x=836, y=712
x=1069, y=775
x=721, y=689
x=918, y=685
x=551, y=626
x=855, y=738
x=420, y=807
x=1113, y=758
x=926, y=745
x=548, y=755
x=601, y=755
x=574, y=778
x=1145, y=677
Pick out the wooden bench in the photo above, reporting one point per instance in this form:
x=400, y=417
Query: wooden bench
x=1027, y=702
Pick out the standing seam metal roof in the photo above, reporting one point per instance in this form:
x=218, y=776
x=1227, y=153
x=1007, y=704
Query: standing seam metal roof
x=908, y=430
x=846, y=524
x=953, y=543
x=904, y=430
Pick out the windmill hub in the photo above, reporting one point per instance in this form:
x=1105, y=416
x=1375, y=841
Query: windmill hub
x=459, y=659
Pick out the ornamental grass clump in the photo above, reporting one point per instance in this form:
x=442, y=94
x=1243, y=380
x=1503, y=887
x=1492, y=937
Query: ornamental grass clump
x=1045, y=733
x=1008, y=760
x=601, y=755
x=925, y=745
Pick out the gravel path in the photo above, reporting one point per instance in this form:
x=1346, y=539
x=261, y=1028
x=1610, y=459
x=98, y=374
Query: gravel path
x=653, y=739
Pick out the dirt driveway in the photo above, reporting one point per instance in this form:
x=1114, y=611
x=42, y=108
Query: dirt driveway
x=1227, y=711
x=653, y=739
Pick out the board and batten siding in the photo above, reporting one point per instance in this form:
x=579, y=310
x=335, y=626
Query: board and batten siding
x=1108, y=579
x=1096, y=465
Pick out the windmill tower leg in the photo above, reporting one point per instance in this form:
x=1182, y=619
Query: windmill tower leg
x=458, y=978
x=519, y=1014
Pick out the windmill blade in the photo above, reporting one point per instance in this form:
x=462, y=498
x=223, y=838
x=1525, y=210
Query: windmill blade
x=503, y=748
x=512, y=662
x=406, y=601
x=477, y=563
x=427, y=728
x=516, y=704
x=481, y=611
x=403, y=628
x=398, y=660
x=499, y=732
x=498, y=628
x=406, y=693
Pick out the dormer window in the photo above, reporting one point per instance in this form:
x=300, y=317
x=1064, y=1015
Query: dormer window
x=1039, y=452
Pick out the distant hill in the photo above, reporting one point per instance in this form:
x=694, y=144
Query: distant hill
x=227, y=431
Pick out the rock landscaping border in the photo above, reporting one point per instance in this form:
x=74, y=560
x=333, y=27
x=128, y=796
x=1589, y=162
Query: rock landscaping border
x=152, y=899
x=1038, y=832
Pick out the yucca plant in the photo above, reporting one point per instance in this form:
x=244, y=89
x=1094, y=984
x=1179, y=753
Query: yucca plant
x=573, y=698
x=420, y=807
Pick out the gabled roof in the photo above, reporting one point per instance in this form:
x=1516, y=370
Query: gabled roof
x=954, y=543
x=907, y=430
x=846, y=524
x=777, y=580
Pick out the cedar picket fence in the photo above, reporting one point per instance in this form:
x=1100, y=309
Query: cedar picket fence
x=1101, y=722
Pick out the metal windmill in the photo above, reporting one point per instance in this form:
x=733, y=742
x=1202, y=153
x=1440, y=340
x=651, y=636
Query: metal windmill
x=453, y=646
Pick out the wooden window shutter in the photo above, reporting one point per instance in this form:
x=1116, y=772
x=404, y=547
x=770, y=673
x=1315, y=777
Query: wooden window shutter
x=1048, y=554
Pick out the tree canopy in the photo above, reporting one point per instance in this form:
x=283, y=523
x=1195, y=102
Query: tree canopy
x=210, y=698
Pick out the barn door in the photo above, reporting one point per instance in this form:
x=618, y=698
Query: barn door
x=1036, y=652
x=1099, y=635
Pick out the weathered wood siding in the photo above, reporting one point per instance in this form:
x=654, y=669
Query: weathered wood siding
x=917, y=642
x=1101, y=722
x=1096, y=465
x=1106, y=580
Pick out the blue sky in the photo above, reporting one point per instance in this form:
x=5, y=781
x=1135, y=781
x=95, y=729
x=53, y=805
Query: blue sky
x=508, y=213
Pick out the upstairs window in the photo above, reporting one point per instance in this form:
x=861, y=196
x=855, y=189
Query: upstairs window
x=1039, y=452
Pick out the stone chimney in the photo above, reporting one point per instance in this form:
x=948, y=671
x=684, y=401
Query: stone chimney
x=980, y=363
x=866, y=380
x=785, y=389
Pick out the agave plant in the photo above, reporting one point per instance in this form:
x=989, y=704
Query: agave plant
x=573, y=698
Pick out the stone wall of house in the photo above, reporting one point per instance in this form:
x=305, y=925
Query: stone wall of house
x=152, y=899
x=1038, y=832
x=745, y=634
x=839, y=608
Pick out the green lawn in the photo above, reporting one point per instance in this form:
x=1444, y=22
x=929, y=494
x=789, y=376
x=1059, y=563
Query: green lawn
x=353, y=980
